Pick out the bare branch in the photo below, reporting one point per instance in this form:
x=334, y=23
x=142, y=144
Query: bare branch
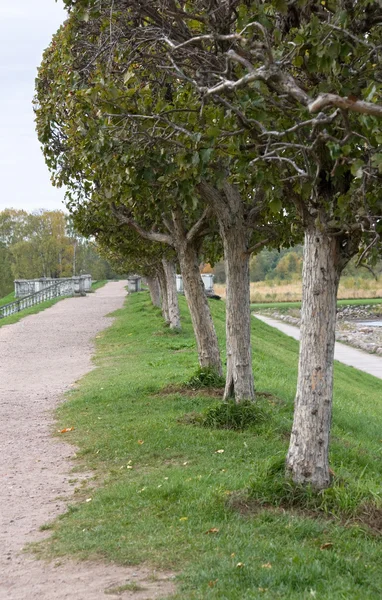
x=272, y=156
x=199, y=227
x=360, y=106
x=258, y=245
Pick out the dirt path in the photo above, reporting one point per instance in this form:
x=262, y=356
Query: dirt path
x=40, y=357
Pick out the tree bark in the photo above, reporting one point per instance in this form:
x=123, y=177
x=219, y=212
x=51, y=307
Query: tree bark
x=307, y=460
x=172, y=295
x=204, y=329
x=239, y=379
x=164, y=296
x=154, y=289
x=235, y=232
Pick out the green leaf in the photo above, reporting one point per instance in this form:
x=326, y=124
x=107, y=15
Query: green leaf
x=357, y=168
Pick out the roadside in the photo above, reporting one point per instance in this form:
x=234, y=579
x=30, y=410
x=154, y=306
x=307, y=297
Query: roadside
x=359, y=326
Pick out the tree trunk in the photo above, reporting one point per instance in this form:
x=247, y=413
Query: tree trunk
x=204, y=329
x=307, y=459
x=164, y=295
x=172, y=295
x=154, y=289
x=235, y=232
x=239, y=379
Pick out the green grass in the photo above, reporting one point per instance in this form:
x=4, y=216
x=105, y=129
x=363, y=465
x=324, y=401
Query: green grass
x=7, y=299
x=211, y=503
x=284, y=306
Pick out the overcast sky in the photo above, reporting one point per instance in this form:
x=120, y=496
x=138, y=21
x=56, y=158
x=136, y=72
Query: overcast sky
x=26, y=28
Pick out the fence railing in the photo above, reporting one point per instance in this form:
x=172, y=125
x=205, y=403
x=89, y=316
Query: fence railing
x=48, y=293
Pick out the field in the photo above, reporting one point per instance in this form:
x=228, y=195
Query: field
x=175, y=488
x=270, y=291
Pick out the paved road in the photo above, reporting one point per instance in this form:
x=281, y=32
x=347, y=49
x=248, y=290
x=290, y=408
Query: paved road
x=352, y=357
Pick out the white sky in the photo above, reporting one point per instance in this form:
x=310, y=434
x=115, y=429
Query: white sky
x=26, y=28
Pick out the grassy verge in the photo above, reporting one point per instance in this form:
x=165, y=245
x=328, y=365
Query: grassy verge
x=174, y=490
x=285, y=306
x=7, y=299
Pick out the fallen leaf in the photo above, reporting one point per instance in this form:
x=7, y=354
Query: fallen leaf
x=233, y=555
x=212, y=530
x=88, y=499
x=326, y=546
x=240, y=565
x=263, y=589
x=66, y=430
x=140, y=442
x=219, y=451
x=266, y=566
x=212, y=583
x=183, y=519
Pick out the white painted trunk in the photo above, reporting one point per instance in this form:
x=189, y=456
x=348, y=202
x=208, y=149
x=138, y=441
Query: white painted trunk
x=204, y=329
x=307, y=459
x=154, y=289
x=172, y=295
x=239, y=380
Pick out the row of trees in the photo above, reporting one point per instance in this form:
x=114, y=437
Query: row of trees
x=217, y=128
x=44, y=244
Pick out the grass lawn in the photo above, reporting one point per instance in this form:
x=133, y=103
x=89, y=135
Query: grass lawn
x=7, y=299
x=284, y=306
x=212, y=503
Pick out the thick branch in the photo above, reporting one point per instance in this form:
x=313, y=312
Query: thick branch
x=153, y=236
x=360, y=106
x=199, y=227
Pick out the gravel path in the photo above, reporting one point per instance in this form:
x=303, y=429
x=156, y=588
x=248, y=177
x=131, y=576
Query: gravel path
x=352, y=357
x=41, y=356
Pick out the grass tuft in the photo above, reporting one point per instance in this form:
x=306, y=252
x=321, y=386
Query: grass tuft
x=345, y=499
x=205, y=377
x=230, y=415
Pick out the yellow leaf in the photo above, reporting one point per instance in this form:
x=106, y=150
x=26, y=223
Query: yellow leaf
x=266, y=566
x=212, y=530
x=326, y=546
x=183, y=519
x=240, y=565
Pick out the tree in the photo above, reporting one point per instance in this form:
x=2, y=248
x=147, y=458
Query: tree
x=131, y=254
x=165, y=213
x=129, y=110
x=45, y=243
x=303, y=80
